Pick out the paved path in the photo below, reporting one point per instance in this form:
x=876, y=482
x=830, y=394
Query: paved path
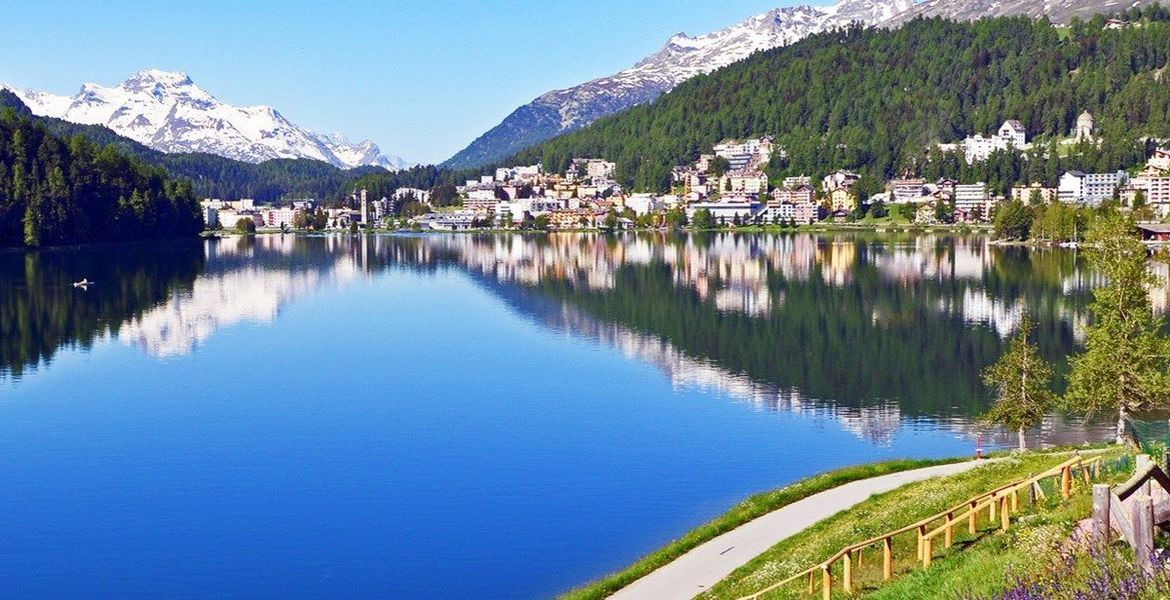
x=708, y=563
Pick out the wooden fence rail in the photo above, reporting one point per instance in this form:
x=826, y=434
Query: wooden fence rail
x=1134, y=508
x=1004, y=499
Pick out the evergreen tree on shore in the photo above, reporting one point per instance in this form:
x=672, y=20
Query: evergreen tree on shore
x=1020, y=380
x=63, y=191
x=1125, y=366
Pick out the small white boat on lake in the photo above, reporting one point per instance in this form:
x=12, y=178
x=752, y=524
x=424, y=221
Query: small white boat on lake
x=83, y=284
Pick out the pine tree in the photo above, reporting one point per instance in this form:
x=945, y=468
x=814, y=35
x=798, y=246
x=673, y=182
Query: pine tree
x=1126, y=360
x=1020, y=381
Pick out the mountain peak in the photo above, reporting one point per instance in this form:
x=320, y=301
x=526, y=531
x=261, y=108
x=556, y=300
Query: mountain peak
x=151, y=77
x=168, y=112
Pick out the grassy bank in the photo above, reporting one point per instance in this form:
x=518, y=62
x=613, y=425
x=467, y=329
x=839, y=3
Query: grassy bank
x=752, y=508
x=977, y=566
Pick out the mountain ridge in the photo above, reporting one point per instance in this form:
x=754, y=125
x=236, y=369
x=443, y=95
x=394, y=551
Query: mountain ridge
x=682, y=57
x=167, y=111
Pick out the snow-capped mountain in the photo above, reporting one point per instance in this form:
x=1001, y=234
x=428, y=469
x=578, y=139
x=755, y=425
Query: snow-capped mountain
x=682, y=58
x=1059, y=11
x=168, y=112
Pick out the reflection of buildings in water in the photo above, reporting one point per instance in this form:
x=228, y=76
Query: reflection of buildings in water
x=751, y=302
x=978, y=307
x=836, y=260
x=877, y=423
x=1160, y=295
x=218, y=300
x=925, y=259
x=733, y=271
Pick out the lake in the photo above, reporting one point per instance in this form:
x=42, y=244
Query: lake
x=465, y=416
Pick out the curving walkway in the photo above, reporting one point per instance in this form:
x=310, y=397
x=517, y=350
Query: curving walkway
x=708, y=563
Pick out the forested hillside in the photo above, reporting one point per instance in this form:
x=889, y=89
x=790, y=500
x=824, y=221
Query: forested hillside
x=63, y=191
x=876, y=100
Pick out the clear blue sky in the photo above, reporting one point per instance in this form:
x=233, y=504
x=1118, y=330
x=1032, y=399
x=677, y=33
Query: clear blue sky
x=420, y=78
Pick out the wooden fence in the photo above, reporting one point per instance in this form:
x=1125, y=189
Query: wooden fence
x=1003, y=500
x=1134, y=508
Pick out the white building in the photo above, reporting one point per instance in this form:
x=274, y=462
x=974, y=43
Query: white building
x=746, y=181
x=726, y=212
x=423, y=196
x=908, y=190
x=594, y=168
x=973, y=199
x=643, y=204
x=210, y=217
x=1014, y=132
x=744, y=154
x=506, y=174
x=1156, y=190
x=279, y=217
x=481, y=194
x=798, y=181
x=1084, y=128
x=458, y=220
x=1010, y=135
x=1089, y=188
x=533, y=206
x=839, y=180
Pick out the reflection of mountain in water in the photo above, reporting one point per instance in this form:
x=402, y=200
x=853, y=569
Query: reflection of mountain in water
x=869, y=331
x=254, y=291
x=41, y=312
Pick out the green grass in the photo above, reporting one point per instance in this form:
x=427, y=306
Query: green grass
x=976, y=564
x=752, y=508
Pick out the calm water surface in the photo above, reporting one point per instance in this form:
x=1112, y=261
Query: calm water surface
x=467, y=417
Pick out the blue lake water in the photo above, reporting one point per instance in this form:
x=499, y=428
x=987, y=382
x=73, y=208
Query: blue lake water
x=470, y=417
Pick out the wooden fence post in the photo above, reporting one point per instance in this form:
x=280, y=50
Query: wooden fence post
x=1066, y=482
x=1015, y=500
x=972, y=515
x=927, y=552
x=1101, y=514
x=991, y=509
x=1004, y=514
x=826, y=582
x=1142, y=461
x=1032, y=494
x=887, y=558
x=847, y=573
x=921, y=535
x=1143, y=532
x=812, y=588
x=950, y=531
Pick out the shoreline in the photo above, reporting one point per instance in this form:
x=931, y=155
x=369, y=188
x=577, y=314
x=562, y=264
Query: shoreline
x=772, y=229
x=762, y=513
x=746, y=511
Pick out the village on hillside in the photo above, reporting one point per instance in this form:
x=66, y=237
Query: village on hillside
x=727, y=187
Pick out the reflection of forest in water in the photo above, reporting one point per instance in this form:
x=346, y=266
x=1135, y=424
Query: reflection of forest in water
x=861, y=321
x=874, y=329
x=41, y=311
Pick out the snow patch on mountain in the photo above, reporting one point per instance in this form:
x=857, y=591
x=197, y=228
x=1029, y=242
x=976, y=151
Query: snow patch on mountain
x=681, y=58
x=168, y=112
